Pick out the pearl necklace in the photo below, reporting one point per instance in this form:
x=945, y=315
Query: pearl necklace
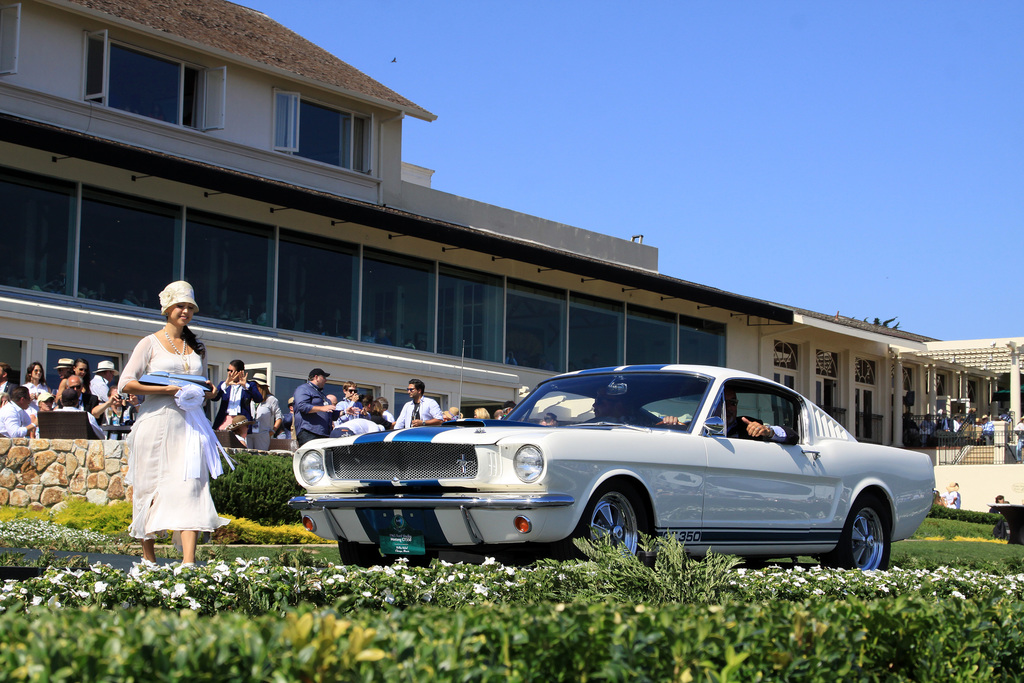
x=180, y=354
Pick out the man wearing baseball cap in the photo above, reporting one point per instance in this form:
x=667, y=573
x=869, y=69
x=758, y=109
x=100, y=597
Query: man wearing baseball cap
x=313, y=411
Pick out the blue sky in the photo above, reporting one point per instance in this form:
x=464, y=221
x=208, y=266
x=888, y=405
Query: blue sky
x=859, y=157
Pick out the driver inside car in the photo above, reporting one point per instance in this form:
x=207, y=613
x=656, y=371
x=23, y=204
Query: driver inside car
x=744, y=427
x=618, y=408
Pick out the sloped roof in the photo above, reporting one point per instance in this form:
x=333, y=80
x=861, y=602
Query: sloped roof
x=251, y=35
x=865, y=326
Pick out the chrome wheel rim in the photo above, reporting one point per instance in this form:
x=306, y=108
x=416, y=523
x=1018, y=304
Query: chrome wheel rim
x=615, y=519
x=868, y=539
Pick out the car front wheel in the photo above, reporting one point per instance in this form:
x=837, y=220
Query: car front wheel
x=866, y=540
x=613, y=513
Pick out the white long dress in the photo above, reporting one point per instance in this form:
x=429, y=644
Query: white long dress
x=163, y=499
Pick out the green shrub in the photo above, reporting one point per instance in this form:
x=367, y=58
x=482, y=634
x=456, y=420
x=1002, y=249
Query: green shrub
x=257, y=489
x=105, y=519
x=617, y=576
x=942, y=512
x=919, y=639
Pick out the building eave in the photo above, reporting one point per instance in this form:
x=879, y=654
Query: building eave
x=65, y=142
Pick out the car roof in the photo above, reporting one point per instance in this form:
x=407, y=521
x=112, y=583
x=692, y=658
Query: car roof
x=714, y=371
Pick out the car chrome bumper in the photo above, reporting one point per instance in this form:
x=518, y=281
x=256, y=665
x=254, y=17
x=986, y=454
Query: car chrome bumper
x=449, y=502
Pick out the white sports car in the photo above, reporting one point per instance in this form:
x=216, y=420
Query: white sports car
x=725, y=460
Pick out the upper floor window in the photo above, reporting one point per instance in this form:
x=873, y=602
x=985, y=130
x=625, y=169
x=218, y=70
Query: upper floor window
x=310, y=130
x=10, y=30
x=142, y=83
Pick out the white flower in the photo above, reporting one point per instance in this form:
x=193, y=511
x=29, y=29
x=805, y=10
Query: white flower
x=179, y=590
x=99, y=587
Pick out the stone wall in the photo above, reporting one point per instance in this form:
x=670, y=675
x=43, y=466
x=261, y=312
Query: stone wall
x=39, y=473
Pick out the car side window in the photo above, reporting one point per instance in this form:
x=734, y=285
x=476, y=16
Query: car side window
x=762, y=404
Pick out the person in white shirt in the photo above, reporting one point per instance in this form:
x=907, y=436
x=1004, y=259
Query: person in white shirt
x=69, y=400
x=421, y=411
x=267, y=416
x=350, y=406
x=952, y=495
x=15, y=423
x=101, y=379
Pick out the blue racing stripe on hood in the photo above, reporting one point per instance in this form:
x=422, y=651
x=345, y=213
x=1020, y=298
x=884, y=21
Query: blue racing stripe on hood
x=418, y=434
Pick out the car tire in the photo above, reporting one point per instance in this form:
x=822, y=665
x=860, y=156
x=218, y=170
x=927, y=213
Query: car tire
x=866, y=540
x=614, y=511
x=360, y=554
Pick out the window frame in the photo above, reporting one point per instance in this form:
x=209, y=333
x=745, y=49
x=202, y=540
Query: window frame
x=10, y=38
x=211, y=83
x=287, y=130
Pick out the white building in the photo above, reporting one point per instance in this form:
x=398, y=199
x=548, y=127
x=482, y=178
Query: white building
x=145, y=141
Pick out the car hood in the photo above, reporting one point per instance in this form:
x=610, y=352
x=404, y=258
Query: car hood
x=476, y=432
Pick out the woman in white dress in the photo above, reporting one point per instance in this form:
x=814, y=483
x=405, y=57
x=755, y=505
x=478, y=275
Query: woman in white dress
x=164, y=499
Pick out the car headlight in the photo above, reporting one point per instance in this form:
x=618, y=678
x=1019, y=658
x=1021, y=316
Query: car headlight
x=529, y=463
x=311, y=466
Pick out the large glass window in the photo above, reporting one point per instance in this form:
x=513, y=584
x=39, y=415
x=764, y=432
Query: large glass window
x=398, y=301
x=701, y=342
x=229, y=263
x=595, y=332
x=36, y=229
x=470, y=313
x=317, y=285
x=535, y=327
x=129, y=248
x=650, y=337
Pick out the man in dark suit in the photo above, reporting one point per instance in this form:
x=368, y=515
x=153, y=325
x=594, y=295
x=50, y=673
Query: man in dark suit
x=87, y=402
x=752, y=428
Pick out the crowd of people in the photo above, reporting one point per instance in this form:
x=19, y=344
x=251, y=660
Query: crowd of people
x=247, y=407
x=75, y=387
x=988, y=430
x=173, y=449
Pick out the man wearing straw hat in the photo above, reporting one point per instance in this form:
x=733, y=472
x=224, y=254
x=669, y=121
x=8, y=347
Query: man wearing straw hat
x=267, y=416
x=101, y=379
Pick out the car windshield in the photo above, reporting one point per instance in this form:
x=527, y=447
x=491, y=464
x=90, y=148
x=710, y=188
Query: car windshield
x=643, y=399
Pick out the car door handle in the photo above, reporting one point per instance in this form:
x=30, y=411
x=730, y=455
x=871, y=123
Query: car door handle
x=811, y=454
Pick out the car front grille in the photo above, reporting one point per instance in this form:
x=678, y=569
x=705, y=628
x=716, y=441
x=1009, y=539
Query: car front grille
x=404, y=461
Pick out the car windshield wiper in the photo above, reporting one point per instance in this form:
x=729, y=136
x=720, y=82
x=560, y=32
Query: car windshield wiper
x=610, y=424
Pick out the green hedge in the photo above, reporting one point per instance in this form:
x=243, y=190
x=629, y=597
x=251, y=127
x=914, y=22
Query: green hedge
x=901, y=640
x=942, y=512
x=257, y=489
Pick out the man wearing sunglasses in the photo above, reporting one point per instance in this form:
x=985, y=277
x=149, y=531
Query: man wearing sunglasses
x=350, y=405
x=752, y=428
x=420, y=411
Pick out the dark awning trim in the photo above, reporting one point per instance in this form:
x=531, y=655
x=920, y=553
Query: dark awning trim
x=143, y=161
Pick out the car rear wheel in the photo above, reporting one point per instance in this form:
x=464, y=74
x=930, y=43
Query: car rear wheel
x=613, y=513
x=866, y=540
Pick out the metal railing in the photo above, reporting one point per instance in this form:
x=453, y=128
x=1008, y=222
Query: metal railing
x=958, y=441
x=868, y=427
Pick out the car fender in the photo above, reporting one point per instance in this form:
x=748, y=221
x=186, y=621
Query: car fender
x=635, y=479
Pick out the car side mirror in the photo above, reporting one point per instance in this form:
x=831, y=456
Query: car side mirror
x=714, y=426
